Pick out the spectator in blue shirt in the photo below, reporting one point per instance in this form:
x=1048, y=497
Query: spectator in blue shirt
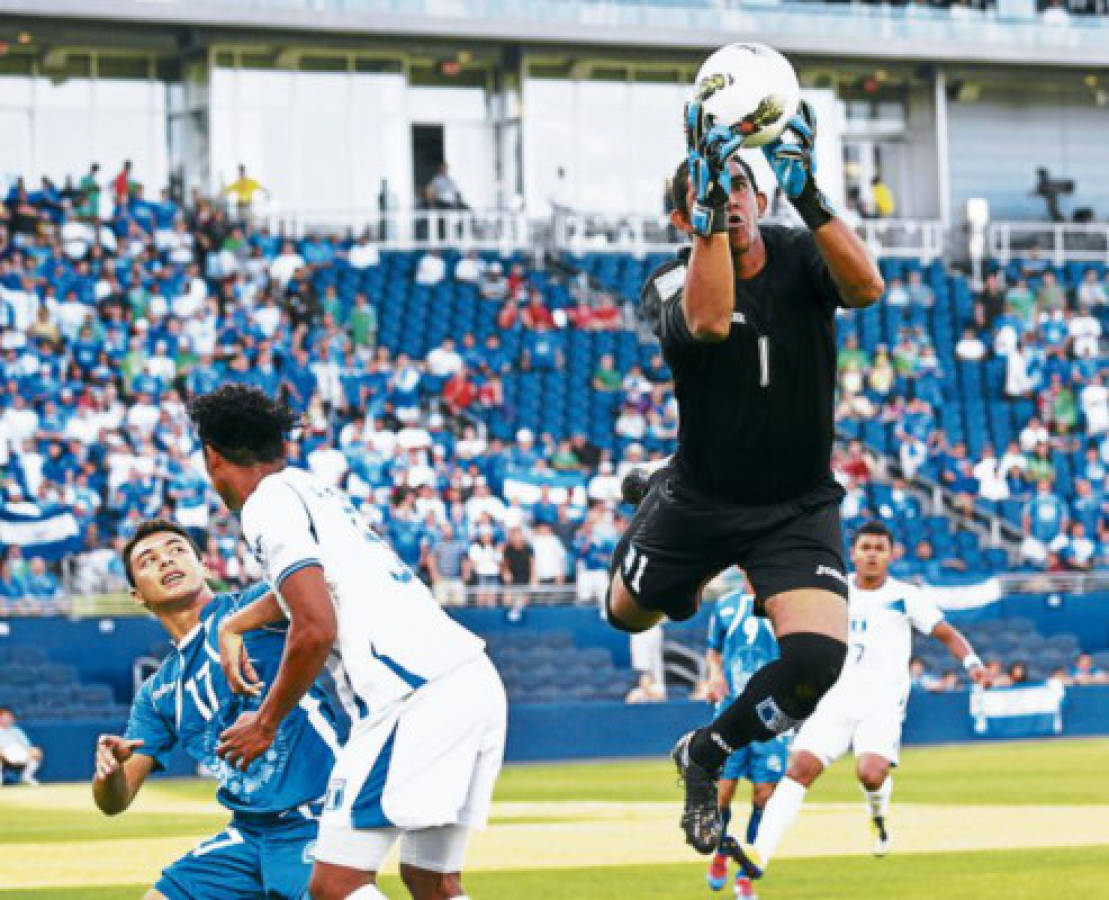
x=1045, y=515
x=1085, y=671
x=545, y=510
x=1086, y=506
x=12, y=587
x=542, y=349
x=41, y=584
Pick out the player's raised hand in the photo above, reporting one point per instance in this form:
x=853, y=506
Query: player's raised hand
x=793, y=161
x=111, y=752
x=237, y=667
x=245, y=741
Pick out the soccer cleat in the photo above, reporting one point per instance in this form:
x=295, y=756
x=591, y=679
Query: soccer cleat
x=881, y=836
x=744, y=890
x=634, y=487
x=746, y=856
x=717, y=875
x=700, y=817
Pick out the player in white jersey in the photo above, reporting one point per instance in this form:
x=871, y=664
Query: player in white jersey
x=863, y=711
x=428, y=709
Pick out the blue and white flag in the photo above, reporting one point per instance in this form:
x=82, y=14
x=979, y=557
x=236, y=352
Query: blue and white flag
x=47, y=530
x=1029, y=711
x=524, y=486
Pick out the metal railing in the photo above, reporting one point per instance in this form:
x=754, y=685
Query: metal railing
x=1060, y=242
x=574, y=232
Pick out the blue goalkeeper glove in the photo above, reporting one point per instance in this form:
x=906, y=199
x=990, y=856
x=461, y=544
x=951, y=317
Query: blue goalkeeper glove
x=708, y=171
x=794, y=165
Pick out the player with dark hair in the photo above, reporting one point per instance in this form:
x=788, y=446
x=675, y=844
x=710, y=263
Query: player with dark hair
x=865, y=708
x=428, y=709
x=746, y=320
x=275, y=804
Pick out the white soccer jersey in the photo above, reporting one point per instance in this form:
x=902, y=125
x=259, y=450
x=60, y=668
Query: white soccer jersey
x=880, y=637
x=392, y=635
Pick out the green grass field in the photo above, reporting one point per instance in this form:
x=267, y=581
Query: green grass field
x=1027, y=820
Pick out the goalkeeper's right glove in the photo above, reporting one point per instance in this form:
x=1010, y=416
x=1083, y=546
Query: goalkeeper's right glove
x=708, y=171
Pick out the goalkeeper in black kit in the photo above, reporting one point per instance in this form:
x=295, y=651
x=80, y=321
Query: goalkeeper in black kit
x=746, y=319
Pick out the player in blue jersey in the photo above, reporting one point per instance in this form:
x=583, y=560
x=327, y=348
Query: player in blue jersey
x=739, y=644
x=266, y=849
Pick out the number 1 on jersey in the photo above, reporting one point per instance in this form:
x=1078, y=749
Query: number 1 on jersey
x=764, y=361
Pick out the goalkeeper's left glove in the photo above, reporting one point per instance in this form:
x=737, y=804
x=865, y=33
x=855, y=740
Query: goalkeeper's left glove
x=791, y=157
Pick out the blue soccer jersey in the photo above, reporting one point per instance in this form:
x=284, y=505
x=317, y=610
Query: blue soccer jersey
x=189, y=702
x=746, y=644
x=743, y=640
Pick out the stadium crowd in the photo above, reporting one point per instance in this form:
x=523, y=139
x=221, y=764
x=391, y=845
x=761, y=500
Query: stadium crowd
x=111, y=323
x=482, y=410
x=1011, y=418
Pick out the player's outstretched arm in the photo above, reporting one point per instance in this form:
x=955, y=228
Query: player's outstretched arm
x=120, y=772
x=233, y=658
x=312, y=630
x=792, y=158
x=850, y=264
x=960, y=648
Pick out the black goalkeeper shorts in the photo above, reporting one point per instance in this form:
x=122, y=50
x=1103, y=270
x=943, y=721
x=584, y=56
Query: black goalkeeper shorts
x=679, y=539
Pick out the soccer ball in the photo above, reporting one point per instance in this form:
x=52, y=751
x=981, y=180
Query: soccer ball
x=750, y=87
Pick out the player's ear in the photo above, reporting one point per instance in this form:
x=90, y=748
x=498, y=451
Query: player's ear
x=760, y=201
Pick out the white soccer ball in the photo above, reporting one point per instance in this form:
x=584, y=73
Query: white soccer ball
x=750, y=87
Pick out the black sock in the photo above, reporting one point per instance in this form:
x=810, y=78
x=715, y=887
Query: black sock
x=778, y=696
x=738, y=724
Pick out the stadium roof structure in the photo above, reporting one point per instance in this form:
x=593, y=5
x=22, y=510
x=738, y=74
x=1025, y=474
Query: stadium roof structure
x=854, y=31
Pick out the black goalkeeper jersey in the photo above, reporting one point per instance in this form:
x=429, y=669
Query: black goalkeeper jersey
x=756, y=410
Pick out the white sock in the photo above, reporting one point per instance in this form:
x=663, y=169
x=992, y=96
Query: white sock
x=367, y=892
x=879, y=801
x=781, y=812
x=30, y=769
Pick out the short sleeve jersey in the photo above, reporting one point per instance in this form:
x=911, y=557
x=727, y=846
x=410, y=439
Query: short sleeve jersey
x=392, y=637
x=757, y=409
x=744, y=641
x=187, y=702
x=880, y=640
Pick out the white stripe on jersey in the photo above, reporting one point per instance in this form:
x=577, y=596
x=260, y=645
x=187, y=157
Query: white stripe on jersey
x=311, y=706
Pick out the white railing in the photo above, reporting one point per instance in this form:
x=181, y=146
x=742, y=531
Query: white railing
x=406, y=230
x=907, y=238
x=575, y=232
x=1060, y=242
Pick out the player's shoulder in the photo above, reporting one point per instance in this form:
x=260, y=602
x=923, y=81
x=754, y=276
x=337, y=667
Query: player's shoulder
x=273, y=491
x=160, y=686
x=668, y=278
x=778, y=236
x=663, y=285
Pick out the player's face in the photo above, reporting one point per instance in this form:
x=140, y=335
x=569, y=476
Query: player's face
x=217, y=470
x=871, y=556
x=166, y=570
x=745, y=207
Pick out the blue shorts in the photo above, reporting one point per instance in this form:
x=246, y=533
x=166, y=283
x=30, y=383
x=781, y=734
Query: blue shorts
x=253, y=857
x=763, y=763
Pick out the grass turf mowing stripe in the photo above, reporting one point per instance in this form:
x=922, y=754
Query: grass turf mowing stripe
x=1013, y=875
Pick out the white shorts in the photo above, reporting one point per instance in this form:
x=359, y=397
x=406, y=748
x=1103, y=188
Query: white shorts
x=866, y=727
x=424, y=768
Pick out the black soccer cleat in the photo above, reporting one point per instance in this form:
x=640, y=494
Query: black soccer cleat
x=700, y=816
x=634, y=487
